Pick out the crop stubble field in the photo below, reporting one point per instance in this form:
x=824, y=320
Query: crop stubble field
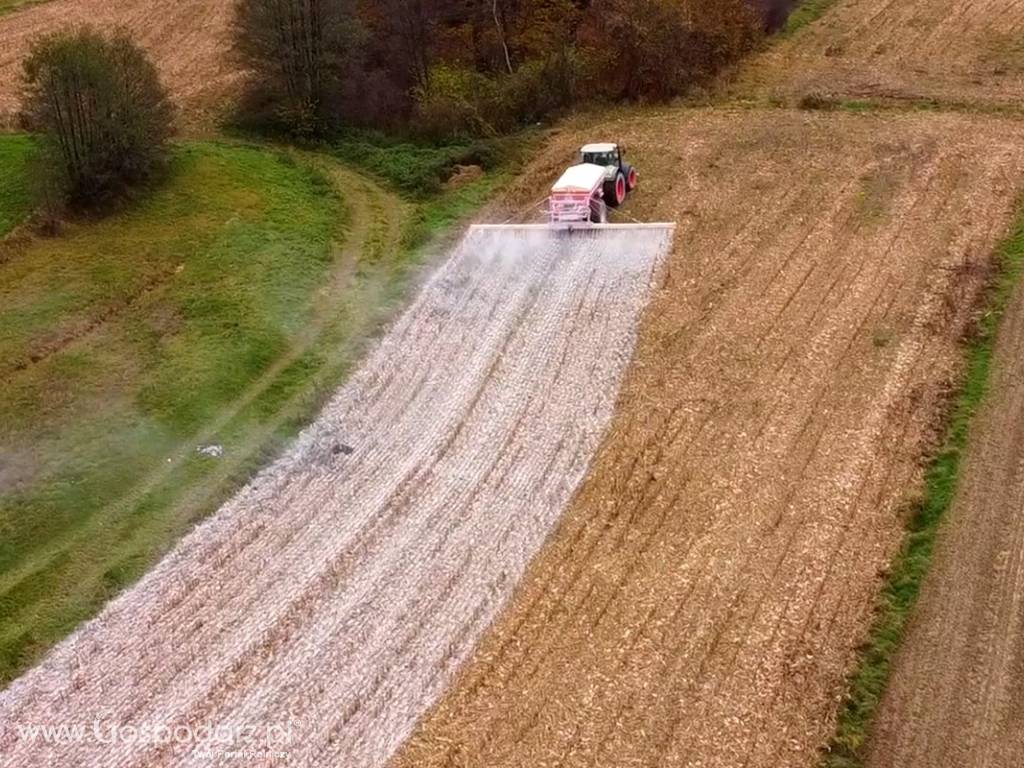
x=968, y=54
x=187, y=39
x=702, y=599
x=346, y=583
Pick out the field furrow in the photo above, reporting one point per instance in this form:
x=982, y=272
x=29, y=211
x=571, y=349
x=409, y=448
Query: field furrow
x=945, y=50
x=705, y=593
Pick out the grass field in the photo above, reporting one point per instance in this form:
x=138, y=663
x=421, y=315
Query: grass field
x=15, y=195
x=806, y=12
x=118, y=341
x=220, y=311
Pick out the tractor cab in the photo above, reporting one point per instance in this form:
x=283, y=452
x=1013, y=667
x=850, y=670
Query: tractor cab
x=601, y=154
x=620, y=178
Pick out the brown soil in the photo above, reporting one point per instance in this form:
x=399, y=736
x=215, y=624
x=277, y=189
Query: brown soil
x=187, y=39
x=703, y=597
x=946, y=50
x=957, y=690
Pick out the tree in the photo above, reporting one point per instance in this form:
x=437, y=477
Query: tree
x=657, y=49
x=499, y=28
x=394, y=59
x=105, y=118
x=407, y=25
x=299, y=53
x=543, y=28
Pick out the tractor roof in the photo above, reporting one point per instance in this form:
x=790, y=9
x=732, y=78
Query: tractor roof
x=595, y=148
x=585, y=177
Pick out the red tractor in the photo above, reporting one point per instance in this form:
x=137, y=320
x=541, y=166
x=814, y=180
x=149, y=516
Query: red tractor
x=586, y=191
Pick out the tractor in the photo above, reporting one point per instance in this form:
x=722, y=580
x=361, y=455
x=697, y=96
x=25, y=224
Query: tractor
x=585, y=191
x=620, y=178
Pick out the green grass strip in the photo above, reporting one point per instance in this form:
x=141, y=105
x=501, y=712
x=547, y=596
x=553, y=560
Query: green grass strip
x=808, y=12
x=9, y=6
x=15, y=188
x=871, y=676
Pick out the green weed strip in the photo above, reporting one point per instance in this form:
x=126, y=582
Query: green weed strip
x=868, y=682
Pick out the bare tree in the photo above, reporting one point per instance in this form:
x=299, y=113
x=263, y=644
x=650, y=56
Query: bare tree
x=298, y=51
x=411, y=24
x=501, y=36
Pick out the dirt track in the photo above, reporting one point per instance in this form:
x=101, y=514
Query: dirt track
x=703, y=597
x=957, y=691
x=955, y=51
x=341, y=589
x=187, y=39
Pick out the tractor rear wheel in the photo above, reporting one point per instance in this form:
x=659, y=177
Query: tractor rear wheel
x=632, y=179
x=615, y=191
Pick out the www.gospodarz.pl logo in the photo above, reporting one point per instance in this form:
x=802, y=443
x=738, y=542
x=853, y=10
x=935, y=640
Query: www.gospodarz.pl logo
x=214, y=739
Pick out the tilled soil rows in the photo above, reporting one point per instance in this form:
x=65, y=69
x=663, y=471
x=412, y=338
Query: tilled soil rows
x=341, y=589
x=946, y=50
x=957, y=690
x=703, y=597
x=189, y=41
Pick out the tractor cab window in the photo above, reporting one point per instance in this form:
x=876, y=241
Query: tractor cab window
x=601, y=158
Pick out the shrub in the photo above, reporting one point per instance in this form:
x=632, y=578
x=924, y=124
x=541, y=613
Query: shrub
x=416, y=168
x=458, y=101
x=487, y=153
x=461, y=102
x=539, y=88
x=105, y=118
x=299, y=53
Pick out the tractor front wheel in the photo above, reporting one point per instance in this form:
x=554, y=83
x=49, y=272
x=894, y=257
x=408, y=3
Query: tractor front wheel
x=632, y=179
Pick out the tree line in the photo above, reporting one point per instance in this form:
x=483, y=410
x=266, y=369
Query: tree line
x=439, y=68
x=477, y=67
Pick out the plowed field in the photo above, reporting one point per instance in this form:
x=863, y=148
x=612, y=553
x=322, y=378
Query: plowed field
x=188, y=39
x=957, y=691
x=703, y=597
x=342, y=588
x=966, y=53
